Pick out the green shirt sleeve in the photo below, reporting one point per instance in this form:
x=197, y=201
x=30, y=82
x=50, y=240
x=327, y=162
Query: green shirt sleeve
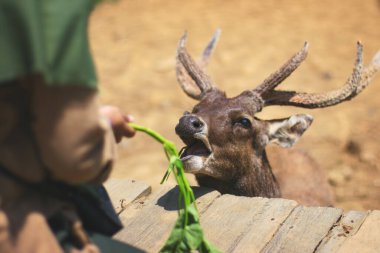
x=48, y=37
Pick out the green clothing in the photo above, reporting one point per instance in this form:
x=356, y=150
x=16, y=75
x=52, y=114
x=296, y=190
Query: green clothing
x=47, y=37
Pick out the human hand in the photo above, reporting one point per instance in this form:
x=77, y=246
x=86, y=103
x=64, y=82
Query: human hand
x=119, y=121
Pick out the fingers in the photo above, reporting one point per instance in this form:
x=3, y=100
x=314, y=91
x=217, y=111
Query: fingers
x=128, y=131
x=119, y=122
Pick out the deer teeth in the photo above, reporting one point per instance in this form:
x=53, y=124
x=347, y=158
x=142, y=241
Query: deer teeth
x=204, y=139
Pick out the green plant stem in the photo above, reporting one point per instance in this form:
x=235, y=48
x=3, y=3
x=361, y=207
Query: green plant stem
x=171, y=151
x=186, y=196
x=150, y=132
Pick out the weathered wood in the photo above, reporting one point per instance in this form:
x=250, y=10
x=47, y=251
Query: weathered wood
x=264, y=225
x=228, y=218
x=347, y=226
x=241, y=224
x=151, y=226
x=204, y=198
x=303, y=230
x=366, y=240
x=130, y=213
x=123, y=191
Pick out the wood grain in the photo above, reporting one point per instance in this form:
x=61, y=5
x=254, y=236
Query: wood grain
x=264, y=225
x=366, y=240
x=303, y=230
x=242, y=224
x=123, y=191
x=345, y=228
x=228, y=219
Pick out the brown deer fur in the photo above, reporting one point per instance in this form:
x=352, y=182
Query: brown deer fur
x=226, y=144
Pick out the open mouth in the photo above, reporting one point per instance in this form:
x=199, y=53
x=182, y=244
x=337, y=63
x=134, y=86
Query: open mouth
x=200, y=146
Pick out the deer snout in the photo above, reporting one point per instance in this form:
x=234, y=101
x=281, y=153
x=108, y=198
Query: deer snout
x=188, y=126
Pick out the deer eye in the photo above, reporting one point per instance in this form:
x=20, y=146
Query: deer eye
x=244, y=122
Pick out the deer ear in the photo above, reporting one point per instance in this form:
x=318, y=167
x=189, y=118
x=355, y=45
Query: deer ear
x=286, y=132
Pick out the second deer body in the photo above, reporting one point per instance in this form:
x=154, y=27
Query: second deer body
x=226, y=143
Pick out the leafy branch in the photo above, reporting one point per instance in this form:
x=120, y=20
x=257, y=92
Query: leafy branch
x=187, y=234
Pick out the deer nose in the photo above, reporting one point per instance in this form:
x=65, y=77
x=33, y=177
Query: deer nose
x=189, y=125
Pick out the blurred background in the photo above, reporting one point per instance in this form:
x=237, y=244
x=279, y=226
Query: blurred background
x=134, y=45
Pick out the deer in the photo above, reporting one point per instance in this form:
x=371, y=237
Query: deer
x=226, y=144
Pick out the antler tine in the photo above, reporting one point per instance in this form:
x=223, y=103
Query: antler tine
x=280, y=75
x=369, y=72
x=358, y=81
x=187, y=84
x=205, y=57
x=189, y=74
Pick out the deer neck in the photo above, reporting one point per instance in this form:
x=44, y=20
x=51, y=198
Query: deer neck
x=253, y=180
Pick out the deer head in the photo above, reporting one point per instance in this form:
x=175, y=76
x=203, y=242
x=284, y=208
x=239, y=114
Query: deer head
x=225, y=141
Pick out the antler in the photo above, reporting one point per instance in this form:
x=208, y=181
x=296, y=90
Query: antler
x=189, y=74
x=286, y=70
x=192, y=79
x=357, y=82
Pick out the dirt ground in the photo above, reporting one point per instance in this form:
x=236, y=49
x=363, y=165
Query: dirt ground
x=134, y=44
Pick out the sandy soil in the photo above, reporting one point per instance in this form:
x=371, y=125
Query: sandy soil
x=134, y=44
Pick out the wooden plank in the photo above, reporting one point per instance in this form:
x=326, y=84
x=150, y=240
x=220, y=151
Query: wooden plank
x=131, y=211
x=227, y=219
x=264, y=225
x=303, y=229
x=151, y=226
x=123, y=191
x=366, y=240
x=345, y=228
x=204, y=198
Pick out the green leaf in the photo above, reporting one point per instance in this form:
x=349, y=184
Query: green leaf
x=185, y=237
x=206, y=247
x=193, y=236
x=171, y=165
x=175, y=242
